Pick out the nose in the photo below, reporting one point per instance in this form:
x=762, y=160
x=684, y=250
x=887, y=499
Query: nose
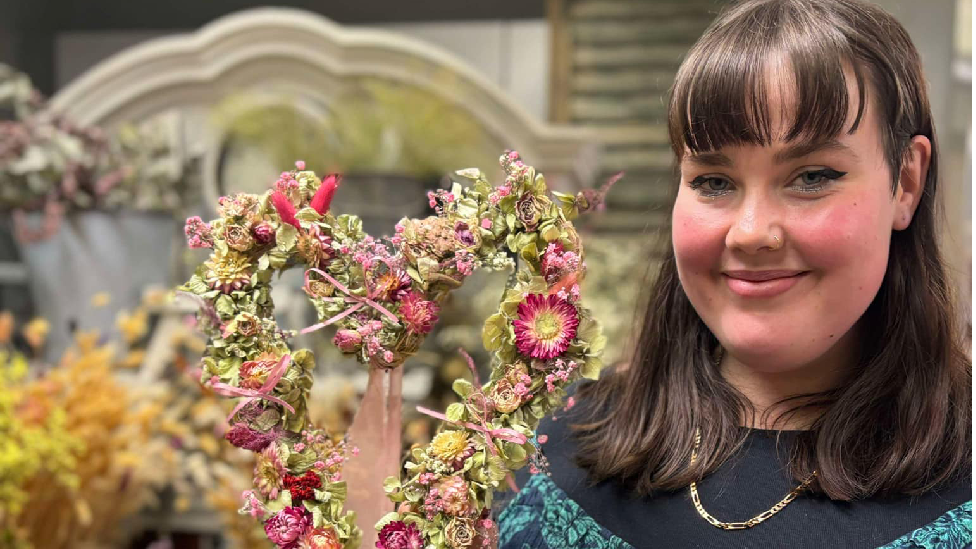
x=755, y=227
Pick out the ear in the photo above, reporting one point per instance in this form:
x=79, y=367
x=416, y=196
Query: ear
x=911, y=181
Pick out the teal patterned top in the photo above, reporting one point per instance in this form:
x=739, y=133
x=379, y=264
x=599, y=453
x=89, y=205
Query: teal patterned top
x=543, y=516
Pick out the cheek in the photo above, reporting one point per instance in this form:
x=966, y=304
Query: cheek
x=853, y=233
x=847, y=245
x=698, y=239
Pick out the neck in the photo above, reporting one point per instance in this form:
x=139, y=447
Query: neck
x=766, y=390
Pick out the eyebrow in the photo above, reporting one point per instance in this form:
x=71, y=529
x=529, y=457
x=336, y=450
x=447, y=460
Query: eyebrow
x=792, y=152
x=800, y=150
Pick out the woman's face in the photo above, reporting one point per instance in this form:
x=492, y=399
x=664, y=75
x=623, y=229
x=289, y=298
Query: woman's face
x=782, y=248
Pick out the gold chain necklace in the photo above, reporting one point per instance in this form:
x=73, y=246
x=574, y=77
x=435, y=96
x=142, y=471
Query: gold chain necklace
x=754, y=520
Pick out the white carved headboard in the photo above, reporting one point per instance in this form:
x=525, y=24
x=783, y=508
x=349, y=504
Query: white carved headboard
x=286, y=50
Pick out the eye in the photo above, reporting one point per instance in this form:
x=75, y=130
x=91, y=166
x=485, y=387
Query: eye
x=710, y=185
x=813, y=181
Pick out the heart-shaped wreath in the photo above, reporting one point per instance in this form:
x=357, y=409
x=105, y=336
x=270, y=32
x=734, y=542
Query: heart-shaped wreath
x=384, y=296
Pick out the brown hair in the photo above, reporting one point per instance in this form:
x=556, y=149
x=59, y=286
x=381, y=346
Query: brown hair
x=902, y=423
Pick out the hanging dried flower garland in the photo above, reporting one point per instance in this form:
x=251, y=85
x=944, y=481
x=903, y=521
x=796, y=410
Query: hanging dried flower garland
x=384, y=296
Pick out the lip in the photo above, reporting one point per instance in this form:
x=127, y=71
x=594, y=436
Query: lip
x=762, y=284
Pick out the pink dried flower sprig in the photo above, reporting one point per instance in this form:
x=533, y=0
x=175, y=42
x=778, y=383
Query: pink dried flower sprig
x=198, y=233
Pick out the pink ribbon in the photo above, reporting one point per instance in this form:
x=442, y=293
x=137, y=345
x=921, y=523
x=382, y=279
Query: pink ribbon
x=506, y=434
x=274, y=376
x=360, y=302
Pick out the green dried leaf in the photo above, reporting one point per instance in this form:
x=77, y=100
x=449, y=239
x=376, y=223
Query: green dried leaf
x=539, y=184
x=225, y=306
x=537, y=285
x=456, y=412
x=415, y=275
x=514, y=452
x=589, y=329
x=285, y=237
x=391, y=484
x=550, y=233
x=278, y=258
x=196, y=285
x=510, y=221
x=425, y=266
x=387, y=518
x=591, y=369
x=467, y=208
x=267, y=420
x=598, y=344
x=299, y=462
x=494, y=331
x=317, y=519
x=284, y=500
x=529, y=253
x=567, y=205
x=304, y=359
x=308, y=214
x=471, y=173
x=462, y=387
x=227, y=367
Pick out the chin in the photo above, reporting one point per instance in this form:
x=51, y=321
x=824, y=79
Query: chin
x=766, y=352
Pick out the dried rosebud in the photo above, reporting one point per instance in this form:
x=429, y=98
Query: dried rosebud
x=465, y=235
x=460, y=533
x=263, y=233
x=244, y=324
x=238, y=238
x=504, y=397
x=348, y=341
x=528, y=210
x=319, y=288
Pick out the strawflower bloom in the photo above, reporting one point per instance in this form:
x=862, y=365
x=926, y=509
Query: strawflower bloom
x=400, y=535
x=269, y=472
x=418, y=314
x=545, y=326
x=320, y=538
x=288, y=526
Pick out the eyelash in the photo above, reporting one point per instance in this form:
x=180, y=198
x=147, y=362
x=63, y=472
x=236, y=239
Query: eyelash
x=825, y=174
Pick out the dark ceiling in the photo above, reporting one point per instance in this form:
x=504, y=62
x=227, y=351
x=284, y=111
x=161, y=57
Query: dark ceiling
x=28, y=27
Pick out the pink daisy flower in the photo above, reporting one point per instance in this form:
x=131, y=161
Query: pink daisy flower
x=545, y=326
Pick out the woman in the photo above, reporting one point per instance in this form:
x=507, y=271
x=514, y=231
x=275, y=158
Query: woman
x=798, y=380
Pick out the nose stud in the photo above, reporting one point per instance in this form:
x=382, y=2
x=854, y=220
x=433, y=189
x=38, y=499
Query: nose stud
x=779, y=243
